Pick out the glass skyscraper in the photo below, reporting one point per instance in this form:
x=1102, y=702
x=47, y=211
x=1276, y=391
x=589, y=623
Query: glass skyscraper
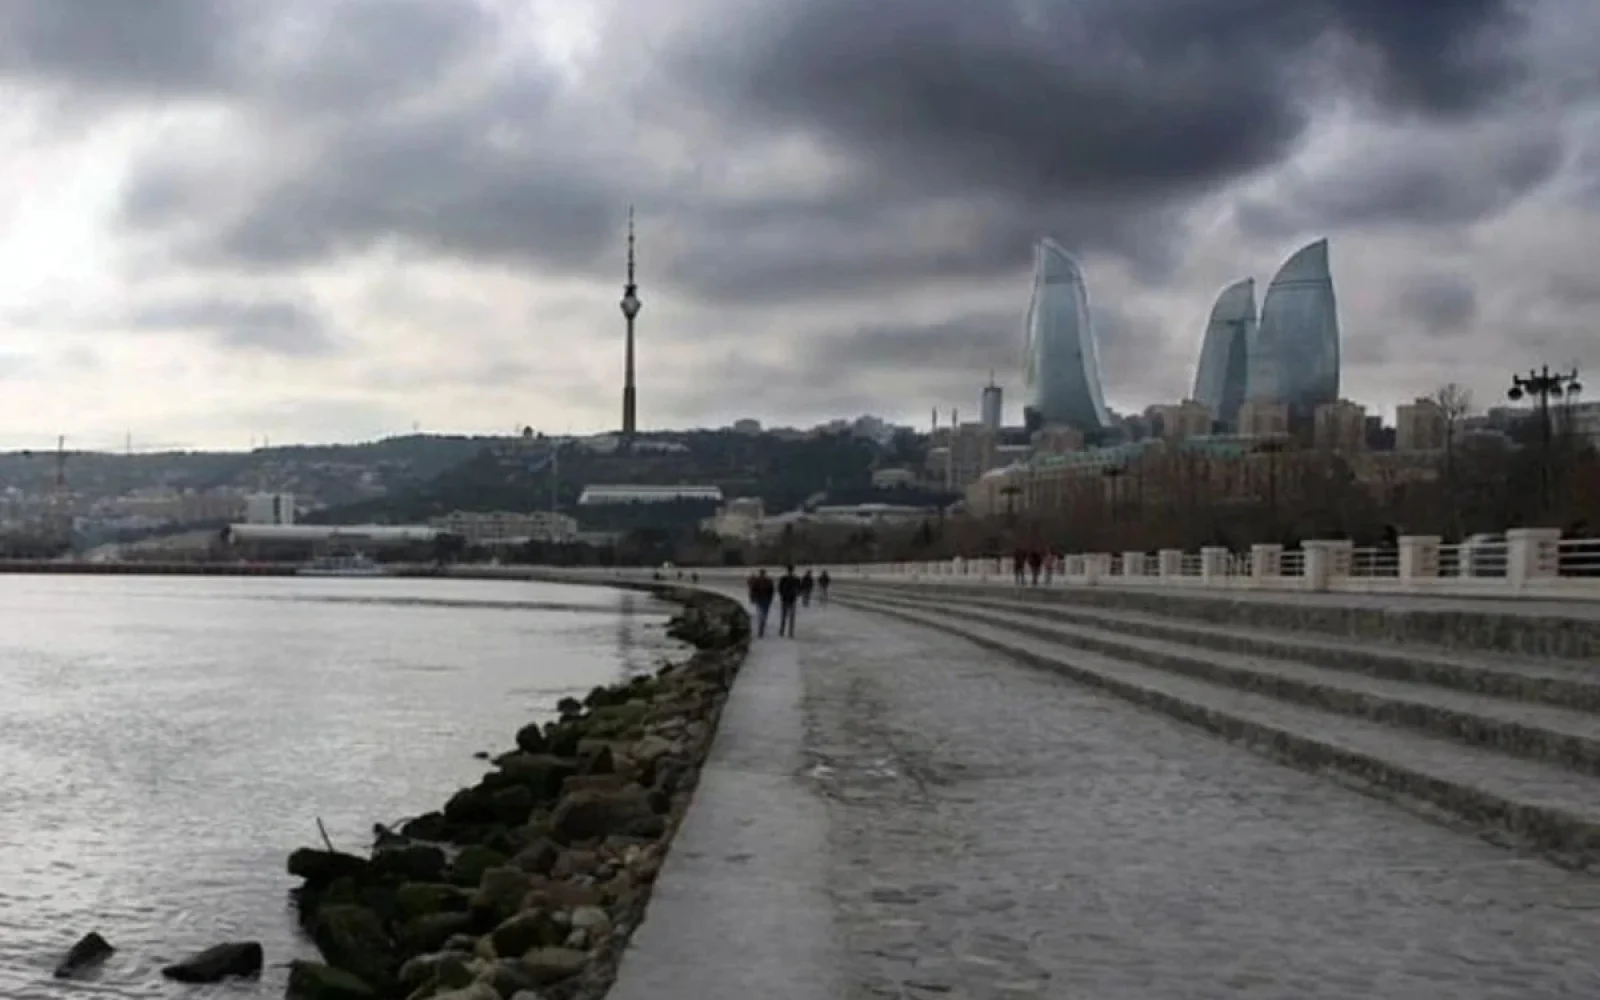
x=1060, y=365
x=1220, y=378
x=1294, y=357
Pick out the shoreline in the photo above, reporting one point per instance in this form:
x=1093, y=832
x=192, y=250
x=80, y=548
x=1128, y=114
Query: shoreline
x=535, y=878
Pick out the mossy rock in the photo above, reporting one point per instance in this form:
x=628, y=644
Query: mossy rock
x=472, y=862
x=411, y=862
x=430, y=931
x=353, y=938
x=416, y=899
x=316, y=981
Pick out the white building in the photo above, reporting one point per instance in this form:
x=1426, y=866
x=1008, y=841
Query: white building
x=740, y=519
x=634, y=493
x=354, y=535
x=269, y=508
x=508, y=528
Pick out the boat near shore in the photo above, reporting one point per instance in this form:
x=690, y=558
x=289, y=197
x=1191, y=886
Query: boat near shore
x=345, y=565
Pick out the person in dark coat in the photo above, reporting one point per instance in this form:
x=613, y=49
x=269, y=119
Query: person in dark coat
x=788, y=600
x=761, y=593
x=807, y=584
x=823, y=579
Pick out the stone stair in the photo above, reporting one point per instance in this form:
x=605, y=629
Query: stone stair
x=1504, y=743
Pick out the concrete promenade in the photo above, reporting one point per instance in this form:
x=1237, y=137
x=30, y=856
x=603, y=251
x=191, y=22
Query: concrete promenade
x=893, y=810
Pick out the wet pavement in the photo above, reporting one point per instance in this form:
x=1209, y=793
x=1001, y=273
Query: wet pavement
x=951, y=824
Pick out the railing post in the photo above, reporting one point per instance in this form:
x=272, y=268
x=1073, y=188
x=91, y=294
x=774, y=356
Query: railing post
x=1133, y=564
x=1170, y=563
x=1213, y=563
x=1532, y=554
x=1419, y=557
x=1096, y=566
x=1266, y=561
x=1319, y=564
x=1342, y=552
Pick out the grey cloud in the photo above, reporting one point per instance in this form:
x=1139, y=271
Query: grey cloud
x=153, y=48
x=308, y=56
x=973, y=343
x=1440, y=179
x=1441, y=303
x=273, y=326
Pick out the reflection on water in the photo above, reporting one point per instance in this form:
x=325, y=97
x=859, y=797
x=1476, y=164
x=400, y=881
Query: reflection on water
x=166, y=742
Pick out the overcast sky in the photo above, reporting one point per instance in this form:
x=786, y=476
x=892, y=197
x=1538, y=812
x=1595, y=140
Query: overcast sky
x=337, y=219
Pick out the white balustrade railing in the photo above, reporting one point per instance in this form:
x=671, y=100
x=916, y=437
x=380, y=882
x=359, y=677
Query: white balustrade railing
x=1528, y=562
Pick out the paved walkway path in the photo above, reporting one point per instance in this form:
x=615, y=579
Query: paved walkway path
x=894, y=813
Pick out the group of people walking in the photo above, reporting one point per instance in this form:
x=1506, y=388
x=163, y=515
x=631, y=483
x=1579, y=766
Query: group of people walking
x=791, y=592
x=1027, y=564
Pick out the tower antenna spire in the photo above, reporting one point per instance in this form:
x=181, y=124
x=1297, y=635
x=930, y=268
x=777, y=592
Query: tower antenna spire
x=630, y=311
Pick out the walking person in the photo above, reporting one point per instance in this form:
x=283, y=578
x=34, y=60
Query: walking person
x=761, y=592
x=823, y=579
x=1035, y=563
x=1019, y=563
x=807, y=584
x=788, y=598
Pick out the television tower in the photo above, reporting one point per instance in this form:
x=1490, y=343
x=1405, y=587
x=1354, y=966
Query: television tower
x=630, y=310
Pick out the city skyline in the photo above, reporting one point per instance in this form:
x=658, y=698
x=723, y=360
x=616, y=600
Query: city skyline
x=327, y=220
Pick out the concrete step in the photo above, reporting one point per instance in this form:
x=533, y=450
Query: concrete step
x=1539, y=732
x=1547, y=628
x=1513, y=800
x=1566, y=684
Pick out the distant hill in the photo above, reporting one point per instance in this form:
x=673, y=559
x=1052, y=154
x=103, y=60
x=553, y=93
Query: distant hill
x=334, y=473
x=516, y=475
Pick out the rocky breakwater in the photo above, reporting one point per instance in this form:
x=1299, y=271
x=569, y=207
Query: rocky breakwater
x=528, y=884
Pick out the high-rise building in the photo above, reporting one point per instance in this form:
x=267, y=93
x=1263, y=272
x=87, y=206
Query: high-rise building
x=1180, y=421
x=1060, y=362
x=1263, y=418
x=1340, y=426
x=1294, y=358
x=1420, y=426
x=971, y=453
x=1219, y=381
x=992, y=410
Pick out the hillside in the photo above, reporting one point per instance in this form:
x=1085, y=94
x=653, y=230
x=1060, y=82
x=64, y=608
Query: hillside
x=519, y=476
x=332, y=473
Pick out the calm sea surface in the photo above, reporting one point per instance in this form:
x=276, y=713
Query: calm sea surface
x=165, y=742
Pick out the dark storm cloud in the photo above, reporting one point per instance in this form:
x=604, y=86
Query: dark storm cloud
x=1092, y=119
x=308, y=56
x=272, y=326
x=961, y=130
x=1442, y=304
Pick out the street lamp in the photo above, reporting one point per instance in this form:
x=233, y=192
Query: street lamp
x=1112, y=474
x=1543, y=385
x=1271, y=447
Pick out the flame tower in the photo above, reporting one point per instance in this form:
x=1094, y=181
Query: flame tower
x=630, y=311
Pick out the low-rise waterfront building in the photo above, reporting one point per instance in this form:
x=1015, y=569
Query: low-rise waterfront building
x=508, y=528
x=639, y=493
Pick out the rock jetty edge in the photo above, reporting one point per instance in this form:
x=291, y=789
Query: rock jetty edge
x=528, y=884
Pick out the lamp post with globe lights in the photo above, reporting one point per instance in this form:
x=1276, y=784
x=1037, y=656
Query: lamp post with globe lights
x=1543, y=385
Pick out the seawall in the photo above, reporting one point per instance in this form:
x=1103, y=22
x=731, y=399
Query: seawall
x=535, y=877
